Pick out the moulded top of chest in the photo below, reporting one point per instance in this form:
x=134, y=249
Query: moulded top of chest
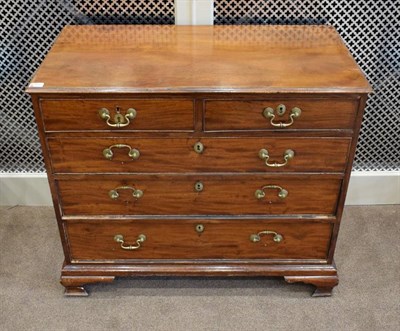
x=203, y=59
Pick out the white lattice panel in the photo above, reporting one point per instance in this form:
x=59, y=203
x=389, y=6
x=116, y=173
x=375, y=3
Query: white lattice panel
x=371, y=30
x=27, y=31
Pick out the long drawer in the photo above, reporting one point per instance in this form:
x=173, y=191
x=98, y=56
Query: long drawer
x=121, y=154
x=199, y=194
x=315, y=113
x=147, y=114
x=197, y=239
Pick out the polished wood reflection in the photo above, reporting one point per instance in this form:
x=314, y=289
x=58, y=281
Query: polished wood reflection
x=200, y=59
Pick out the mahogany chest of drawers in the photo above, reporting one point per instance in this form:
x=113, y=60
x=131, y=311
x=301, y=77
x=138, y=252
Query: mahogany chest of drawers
x=215, y=151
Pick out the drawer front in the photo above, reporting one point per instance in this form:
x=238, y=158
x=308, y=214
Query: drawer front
x=151, y=115
x=199, y=195
x=82, y=155
x=181, y=239
x=224, y=115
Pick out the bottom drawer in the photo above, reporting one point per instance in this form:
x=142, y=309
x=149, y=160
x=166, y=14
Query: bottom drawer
x=198, y=239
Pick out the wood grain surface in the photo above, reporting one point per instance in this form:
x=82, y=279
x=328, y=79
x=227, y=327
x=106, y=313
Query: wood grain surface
x=230, y=154
x=222, y=195
x=316, y=113
x=179, y=239
x=152, y=114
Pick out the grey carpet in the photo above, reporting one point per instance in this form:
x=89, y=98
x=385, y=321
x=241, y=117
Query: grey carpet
x=367, y=298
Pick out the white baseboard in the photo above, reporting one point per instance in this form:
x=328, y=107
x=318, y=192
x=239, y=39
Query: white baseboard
x=194, y=12
x=24, y=189
x=365, y=188
x=374, y=188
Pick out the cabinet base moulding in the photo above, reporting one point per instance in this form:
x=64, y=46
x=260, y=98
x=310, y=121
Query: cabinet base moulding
x=74, y=285
x=74, y=276
x=323, y=284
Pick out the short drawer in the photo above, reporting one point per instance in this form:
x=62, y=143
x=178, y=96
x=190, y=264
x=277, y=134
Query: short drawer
x=148, y=115
x=197, y=239
x=143, y=155
x=199, y=194
x=315, y=113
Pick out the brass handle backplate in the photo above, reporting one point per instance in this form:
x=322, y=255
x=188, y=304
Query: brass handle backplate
x=133, y=153
x=269, y=113
x=119, y=120
x=256, y=237
x=260, y=194
x=263, y=154
x=119, y=238
x=113, y=194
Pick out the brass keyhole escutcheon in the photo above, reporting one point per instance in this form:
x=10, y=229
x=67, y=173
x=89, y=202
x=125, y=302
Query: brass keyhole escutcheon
x=199, y=228
x=198, y=147
x=198, y=186
x=281, y=109
x=118, y=118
